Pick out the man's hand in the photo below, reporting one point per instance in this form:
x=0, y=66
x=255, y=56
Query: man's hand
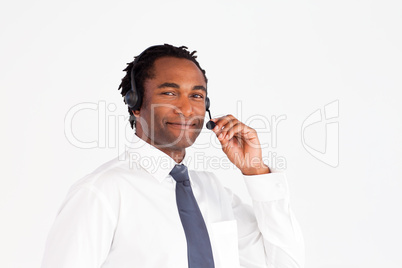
x=241, y=145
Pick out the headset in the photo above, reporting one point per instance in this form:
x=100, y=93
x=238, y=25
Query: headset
x=134, y=99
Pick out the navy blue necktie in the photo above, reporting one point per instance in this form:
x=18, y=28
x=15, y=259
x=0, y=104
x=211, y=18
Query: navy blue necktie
x=199, y=250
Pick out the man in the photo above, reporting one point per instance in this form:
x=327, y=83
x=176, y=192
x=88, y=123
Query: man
x=131, y=214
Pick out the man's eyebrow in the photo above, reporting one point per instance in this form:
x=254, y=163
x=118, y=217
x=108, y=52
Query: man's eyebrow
x=174, y=85
x=200, y=88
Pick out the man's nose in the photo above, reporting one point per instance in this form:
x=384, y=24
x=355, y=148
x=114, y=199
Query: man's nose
x=184, y=106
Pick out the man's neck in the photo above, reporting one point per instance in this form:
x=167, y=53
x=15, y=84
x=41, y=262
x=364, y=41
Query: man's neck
x=176, y=155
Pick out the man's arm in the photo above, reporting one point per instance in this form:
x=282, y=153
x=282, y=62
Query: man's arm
x=269, y=235
x=82, y=233
x=277, y=227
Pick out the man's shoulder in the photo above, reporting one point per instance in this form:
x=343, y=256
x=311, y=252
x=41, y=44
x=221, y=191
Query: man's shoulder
x=106, y=175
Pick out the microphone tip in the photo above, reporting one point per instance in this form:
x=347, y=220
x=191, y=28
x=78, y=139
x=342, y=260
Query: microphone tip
x=211, y=125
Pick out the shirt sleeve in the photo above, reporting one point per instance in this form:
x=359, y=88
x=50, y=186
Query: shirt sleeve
x=269, y=235
x=82, y=233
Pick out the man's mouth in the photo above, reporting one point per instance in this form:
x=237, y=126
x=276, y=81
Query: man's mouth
x=182, y=125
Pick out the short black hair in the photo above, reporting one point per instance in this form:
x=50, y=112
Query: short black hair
x=143, y=68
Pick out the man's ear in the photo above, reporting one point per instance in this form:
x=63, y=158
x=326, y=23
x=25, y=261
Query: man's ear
x=136, y=113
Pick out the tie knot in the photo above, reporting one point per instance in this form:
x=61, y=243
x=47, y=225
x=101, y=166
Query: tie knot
x=179, y=173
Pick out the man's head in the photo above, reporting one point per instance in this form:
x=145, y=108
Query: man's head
x=143, y=68
x=173, y=89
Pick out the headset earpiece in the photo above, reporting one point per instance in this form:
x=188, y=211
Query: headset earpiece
x=207, y=104
x=131, y=99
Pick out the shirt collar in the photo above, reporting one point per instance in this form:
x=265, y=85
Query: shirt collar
x=153, y=160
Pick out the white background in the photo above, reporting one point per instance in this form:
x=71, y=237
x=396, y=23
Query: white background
x=275, y=57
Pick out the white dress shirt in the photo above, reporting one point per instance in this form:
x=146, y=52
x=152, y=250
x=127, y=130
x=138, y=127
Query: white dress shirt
x=124, y=214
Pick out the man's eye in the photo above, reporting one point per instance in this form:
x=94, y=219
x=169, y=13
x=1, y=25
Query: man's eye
x=198, y=96
x=168, y=93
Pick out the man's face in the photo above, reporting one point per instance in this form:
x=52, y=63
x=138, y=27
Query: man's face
x=173, y=108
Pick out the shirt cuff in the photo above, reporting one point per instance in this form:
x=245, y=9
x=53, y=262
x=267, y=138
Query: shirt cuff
x=267, y=187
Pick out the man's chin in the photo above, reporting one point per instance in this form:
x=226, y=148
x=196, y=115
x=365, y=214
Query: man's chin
x=182, y=137
x=178, y=141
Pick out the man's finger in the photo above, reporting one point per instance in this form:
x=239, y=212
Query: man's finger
x=221, y=121
x=233, y=130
